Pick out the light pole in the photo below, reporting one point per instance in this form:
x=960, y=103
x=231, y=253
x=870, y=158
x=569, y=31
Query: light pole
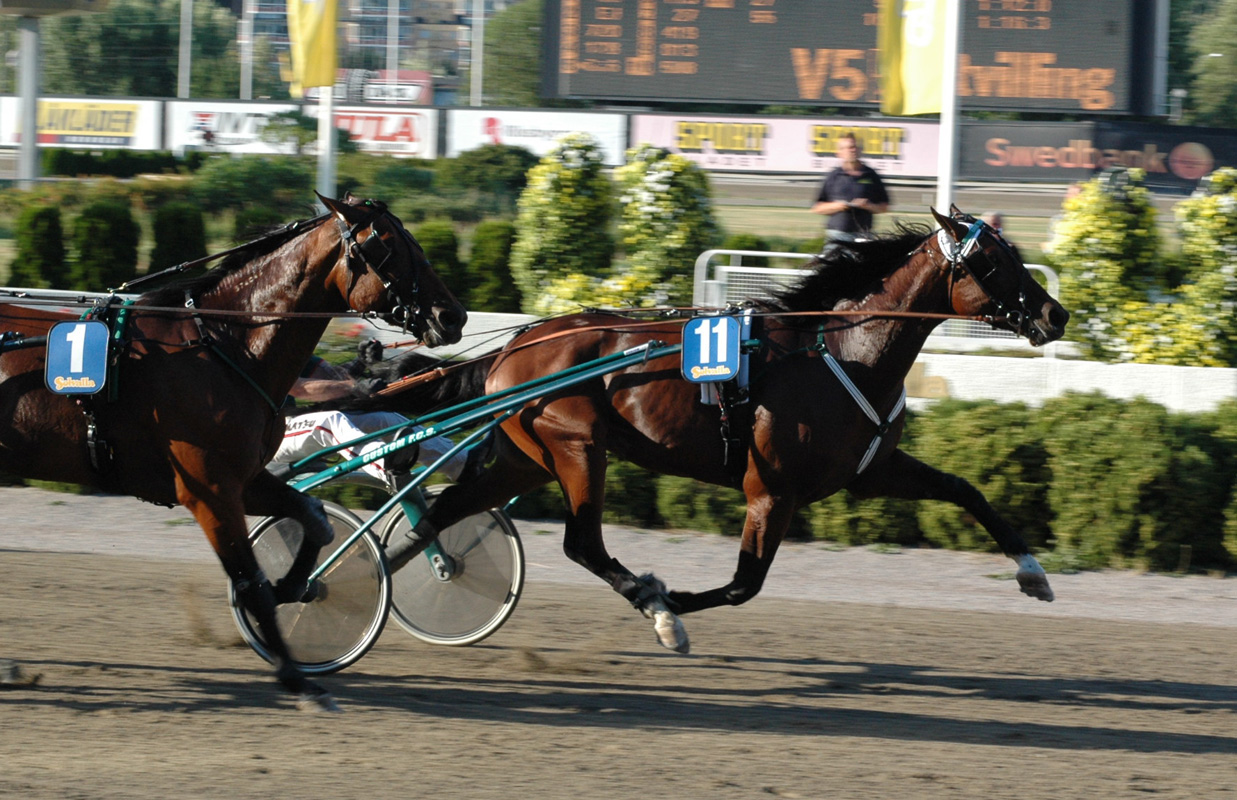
x=476, y=51
x=186, y=48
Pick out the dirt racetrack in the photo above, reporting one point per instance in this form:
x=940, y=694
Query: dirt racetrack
x=876, y=682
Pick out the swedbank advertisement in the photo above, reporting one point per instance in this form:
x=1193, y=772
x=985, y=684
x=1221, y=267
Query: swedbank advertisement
x=799, y=145
x=85, y=122
x=1173, y=157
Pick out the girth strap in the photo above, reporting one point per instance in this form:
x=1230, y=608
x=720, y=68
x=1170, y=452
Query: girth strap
x=882, y=427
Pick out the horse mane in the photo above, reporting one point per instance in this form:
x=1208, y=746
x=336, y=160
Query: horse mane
x=850, y=270
x=268, y=241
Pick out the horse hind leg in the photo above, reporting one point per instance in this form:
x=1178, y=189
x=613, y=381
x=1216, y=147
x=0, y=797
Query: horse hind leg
x=905, y=477
x=581, y=471
x=266, y=495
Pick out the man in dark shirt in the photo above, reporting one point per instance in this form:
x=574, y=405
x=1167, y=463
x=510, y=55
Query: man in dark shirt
x=850, y=195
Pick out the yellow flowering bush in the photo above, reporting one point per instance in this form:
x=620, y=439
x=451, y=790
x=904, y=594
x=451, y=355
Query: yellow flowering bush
x=667, y=221
x=563, y=224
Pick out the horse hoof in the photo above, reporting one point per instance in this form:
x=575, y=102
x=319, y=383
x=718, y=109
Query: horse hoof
x=670, y=632
x=1036, y=586
x=1032, y=580
x=13, y=676
x=315, y=702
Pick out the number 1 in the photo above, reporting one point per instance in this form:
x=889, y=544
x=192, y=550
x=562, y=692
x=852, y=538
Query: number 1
x=77, y=337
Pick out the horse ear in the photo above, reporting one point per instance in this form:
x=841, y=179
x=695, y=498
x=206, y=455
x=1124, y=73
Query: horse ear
x=339, y=208
x=956, y=229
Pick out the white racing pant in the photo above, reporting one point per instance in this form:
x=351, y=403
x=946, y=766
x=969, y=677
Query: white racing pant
x=306, y=434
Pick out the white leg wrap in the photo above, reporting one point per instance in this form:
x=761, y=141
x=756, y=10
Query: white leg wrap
x=669, y=628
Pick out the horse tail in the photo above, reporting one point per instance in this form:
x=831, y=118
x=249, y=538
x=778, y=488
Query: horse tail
x=456, y=383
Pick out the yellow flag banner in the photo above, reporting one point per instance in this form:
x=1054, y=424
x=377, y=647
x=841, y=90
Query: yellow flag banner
x=911, y=40
x=311, y=31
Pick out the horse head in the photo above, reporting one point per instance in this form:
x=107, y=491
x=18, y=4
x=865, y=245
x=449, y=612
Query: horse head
x=987, y=278
x=385, y=269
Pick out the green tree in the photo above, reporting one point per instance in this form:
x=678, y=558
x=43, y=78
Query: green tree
x=295, y=131
x=105, y=238
x=1213, y=96
x=512, y=63
x=667, y=222
x=281, y=183
x=563, y=243
x=498, y=171
x=39, y=263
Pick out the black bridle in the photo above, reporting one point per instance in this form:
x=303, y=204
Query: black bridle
x=375, y=254
x=959, y=255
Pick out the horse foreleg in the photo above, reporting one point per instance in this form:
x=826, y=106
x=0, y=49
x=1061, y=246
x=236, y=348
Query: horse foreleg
x=268, y=496
x=763, y=528
x=221, y=515
x=905, y=477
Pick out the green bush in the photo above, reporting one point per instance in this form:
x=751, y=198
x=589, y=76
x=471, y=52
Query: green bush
x=631, y=496
x=497, y=171
x=180, y=235
x=114, y=163
x=1131, y=484
x=105, y=239
x=489, y=269
x=688, y=504
x=252, y=222
x=748, y=241
x=437, y=238
x=283, y=184
x=881, y=520
x=40, y=259
x=997, y=449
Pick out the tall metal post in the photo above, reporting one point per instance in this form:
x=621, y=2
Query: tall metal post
x=28, y=90
x=947, y=148
x=476, y=51
x=326, y=141
x=186, y=48
x=392, y=47
x=245, y=32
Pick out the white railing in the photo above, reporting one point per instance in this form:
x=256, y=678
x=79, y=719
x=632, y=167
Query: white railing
x=717, y=284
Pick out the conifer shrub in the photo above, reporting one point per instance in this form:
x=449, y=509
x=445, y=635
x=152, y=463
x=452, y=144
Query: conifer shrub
x=105, y=240
x=180, y=235
x=489, y=268
x=40, y=259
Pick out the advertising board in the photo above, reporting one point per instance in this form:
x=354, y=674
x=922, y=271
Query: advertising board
x=536, y=131
x=795, y=144
x=87, y=122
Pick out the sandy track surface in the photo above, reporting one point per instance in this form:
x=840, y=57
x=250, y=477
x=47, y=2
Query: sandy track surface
x=856, y=674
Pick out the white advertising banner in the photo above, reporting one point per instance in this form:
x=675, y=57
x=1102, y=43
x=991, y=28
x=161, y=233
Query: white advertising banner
x=535, y=131
x=399, y=131
x=221, y=127
x=86, y=122
x=800, y=145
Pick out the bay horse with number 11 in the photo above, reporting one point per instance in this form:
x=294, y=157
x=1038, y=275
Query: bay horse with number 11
x=802, y=435
x=204, y=366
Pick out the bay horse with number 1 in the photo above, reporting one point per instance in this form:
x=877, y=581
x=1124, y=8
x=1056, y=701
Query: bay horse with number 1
x=825, y=411
x=202, y=370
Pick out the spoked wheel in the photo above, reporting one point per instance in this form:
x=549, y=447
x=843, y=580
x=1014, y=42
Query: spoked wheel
x=464, y=589
x=352, y=599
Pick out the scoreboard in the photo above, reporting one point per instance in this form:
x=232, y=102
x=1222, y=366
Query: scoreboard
x=1082, y=56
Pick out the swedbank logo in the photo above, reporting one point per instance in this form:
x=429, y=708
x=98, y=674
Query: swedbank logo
x=1189, y=161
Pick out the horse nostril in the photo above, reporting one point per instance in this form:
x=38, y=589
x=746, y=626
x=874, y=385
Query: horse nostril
x=1058, y=317
x=450, y=318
